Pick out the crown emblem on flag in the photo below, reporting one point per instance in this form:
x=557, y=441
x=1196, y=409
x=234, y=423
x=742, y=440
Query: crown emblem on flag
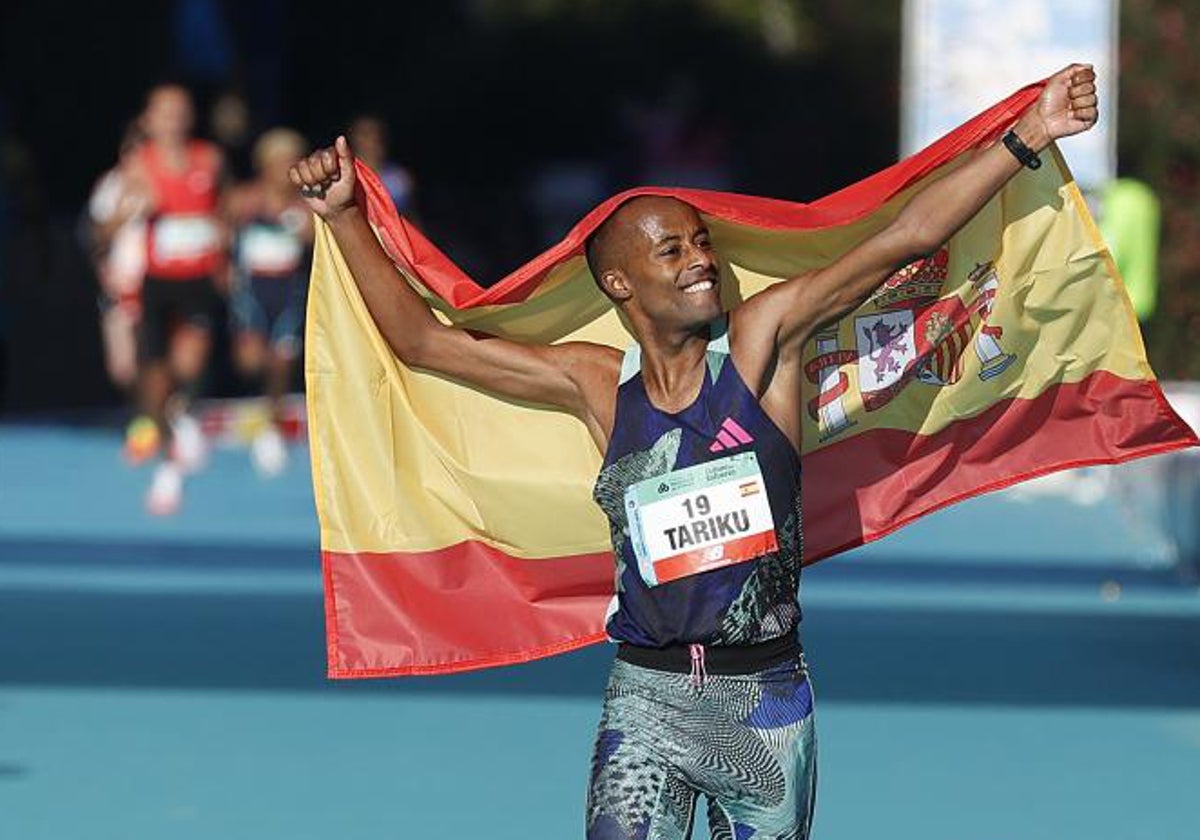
x=921, y=279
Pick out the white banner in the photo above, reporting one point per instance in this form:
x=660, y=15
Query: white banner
x=961, y=55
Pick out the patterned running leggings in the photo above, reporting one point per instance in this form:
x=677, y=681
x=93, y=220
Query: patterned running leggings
x=746, y=742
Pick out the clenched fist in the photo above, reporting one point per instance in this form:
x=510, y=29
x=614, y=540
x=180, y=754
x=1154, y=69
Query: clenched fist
x=326, y=179
x=1068, y=104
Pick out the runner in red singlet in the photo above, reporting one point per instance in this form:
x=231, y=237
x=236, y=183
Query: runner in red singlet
x=185, y=249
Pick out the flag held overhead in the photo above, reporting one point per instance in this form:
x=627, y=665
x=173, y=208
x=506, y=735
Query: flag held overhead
x=457, y=528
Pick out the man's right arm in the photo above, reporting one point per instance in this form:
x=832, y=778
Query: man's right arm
x=569, y=376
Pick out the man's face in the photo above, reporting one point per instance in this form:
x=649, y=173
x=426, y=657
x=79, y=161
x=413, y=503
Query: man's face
x=670, y=269
x=168, y=114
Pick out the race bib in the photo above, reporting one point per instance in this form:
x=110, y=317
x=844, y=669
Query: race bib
x=184, y=237
x=269, y=250
x=700, y=518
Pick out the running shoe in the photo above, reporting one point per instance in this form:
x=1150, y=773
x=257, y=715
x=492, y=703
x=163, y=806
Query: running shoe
x=268, y=452
x=166, y=490
x=142, y=440
x=189, y=449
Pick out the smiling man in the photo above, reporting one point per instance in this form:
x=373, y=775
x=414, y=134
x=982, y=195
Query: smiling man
x=699, y=423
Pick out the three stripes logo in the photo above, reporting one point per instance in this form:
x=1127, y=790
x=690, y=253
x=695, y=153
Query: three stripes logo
x=730, y=436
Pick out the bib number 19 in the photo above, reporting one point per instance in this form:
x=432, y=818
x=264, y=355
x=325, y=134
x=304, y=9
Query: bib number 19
x=700, y=506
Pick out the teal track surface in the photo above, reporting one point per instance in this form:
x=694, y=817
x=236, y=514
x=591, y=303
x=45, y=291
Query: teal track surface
x=1005, y=669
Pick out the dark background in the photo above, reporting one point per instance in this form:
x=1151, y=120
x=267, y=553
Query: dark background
x=798, y=97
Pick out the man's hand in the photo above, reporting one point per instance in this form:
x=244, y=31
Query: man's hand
x=1068, y=105
x=326, y=179
x=578, y=377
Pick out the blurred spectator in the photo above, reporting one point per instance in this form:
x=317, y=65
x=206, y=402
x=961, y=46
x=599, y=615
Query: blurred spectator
x=272, y=242
x=117, y=238
x=230, y=123
x=679, y=145
x=180, y=179
x=560, y=193
x=368, y=137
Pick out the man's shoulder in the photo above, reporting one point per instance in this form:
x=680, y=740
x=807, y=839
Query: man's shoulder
x=601, y=356
x=760, y=313
x=754, y=328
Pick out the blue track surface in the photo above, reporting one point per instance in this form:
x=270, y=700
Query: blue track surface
x=1005, y=669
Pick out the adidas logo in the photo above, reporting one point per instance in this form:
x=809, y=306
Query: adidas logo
x=730, y=436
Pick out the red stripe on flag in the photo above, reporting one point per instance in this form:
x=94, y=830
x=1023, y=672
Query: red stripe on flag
x=880, y=480
x=471, y=606
x=460, y=608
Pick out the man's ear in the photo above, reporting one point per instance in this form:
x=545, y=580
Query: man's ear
x=615, y=284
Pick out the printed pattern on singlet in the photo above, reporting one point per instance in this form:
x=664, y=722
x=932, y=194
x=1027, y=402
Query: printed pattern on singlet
x=749, y=602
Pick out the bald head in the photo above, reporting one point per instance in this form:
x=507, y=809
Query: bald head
x=632, y=225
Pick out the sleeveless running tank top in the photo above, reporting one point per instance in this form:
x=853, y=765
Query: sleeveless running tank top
x=183, y=240
x=741, y=603
x=271, y=246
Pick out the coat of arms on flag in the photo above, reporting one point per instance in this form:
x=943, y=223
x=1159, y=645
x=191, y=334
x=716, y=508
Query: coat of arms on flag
x=916, y=328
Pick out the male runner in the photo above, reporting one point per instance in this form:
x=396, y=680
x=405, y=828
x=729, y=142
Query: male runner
x=272, y=238
x=709, y=693
x=180, y=178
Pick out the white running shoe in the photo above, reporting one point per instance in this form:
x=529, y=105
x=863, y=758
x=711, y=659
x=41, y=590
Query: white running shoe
x=268, y=452
x=189, y=449
x=166, y=490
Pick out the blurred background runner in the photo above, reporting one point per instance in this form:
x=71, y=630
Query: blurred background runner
x=179, y=178
x=272, y=241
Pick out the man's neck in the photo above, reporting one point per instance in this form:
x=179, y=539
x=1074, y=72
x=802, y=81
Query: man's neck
x=673, y=365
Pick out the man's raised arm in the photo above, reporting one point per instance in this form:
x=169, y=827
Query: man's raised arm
x=1067, y=106
x=558, y=375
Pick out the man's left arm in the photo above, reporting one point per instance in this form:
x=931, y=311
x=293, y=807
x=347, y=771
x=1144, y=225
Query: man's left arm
x=798, y=307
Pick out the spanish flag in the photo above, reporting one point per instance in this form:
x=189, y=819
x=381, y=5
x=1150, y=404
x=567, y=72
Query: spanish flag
x=457, y=527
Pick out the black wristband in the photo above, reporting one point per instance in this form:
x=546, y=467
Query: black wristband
x=1021, y=152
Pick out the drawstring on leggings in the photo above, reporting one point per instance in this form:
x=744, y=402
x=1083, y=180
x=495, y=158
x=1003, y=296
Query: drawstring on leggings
x=699, y=674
